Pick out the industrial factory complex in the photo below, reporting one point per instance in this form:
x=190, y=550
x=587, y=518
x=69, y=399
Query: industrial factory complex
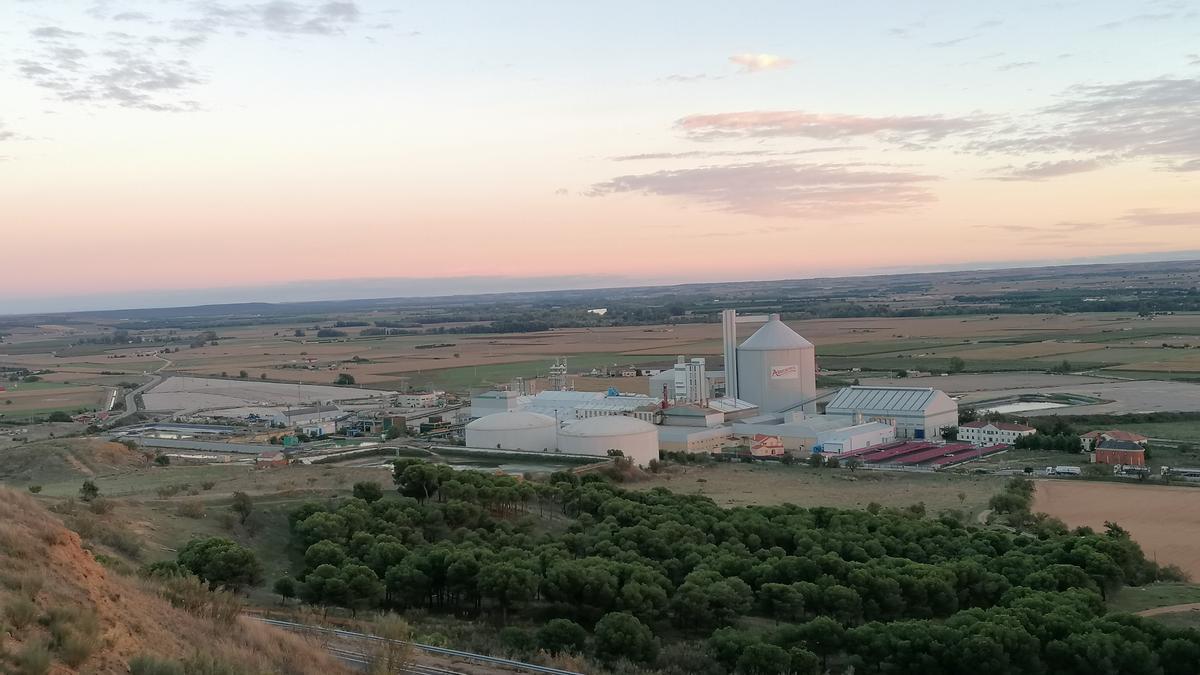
x=764, y=404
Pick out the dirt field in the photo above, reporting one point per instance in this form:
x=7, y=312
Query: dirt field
x=746, y=484
x=1164, y=520
x=191, y=393
x=1110, y=344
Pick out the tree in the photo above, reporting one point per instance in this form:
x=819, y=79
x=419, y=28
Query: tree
x=764, y=659
x=949, y=433
x=35, y=489
x=243, y=374
x=88, y=491
x=221, y=563
x=620, y=635
x=368, y=491
x=345, y=379
x=162, y=460
x=59, y=416
x=559, y=636
x=957, y=365
x=506, y=583
x=363, y=587
x=285, y=588
x=242, y=506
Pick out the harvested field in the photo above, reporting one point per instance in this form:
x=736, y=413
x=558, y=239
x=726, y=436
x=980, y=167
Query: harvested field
x=746, y=484
x=1165, y=520
x=191, y=393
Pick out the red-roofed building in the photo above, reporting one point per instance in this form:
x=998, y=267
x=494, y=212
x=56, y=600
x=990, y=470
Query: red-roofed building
x=981, y=432
x=1125, y=453
x=270, y=459
x=1093, y=438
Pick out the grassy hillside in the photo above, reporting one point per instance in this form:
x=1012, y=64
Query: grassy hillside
x=61, y=611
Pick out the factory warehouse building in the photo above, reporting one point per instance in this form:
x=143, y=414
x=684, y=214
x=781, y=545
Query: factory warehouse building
x=915, y=412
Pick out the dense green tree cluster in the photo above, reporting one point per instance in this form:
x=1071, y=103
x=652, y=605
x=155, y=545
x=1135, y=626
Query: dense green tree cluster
x=886, y=591
x=1055, y=442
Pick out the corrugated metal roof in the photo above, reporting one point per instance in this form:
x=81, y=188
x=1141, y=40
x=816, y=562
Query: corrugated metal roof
x=864, y=399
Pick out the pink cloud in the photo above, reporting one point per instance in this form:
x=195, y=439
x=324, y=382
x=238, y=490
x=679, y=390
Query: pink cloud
x=753, y=63
x=768, y=123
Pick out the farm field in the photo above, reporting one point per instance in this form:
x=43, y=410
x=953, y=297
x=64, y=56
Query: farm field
x=1003, y=346
x=1139, y=598
x=730, y=484
x=190, y=393
x=1165, y=520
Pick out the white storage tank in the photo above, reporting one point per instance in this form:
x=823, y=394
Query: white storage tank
x=636, y=439
x=513, y=431
x=777, y=369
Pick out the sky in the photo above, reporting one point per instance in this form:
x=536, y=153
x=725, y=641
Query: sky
x=188, y=151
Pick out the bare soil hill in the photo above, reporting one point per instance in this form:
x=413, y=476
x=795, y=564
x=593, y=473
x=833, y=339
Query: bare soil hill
x=62, y=612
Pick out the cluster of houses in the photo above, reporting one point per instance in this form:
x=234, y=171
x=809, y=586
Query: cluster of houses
x=1123, y=448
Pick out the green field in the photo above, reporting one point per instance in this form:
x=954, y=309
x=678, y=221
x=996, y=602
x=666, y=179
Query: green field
x=1137, y=598
x=1188, y=432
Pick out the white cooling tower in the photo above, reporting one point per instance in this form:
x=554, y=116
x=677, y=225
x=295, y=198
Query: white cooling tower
x=777, y=369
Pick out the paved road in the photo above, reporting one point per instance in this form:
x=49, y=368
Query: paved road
x=131, y=406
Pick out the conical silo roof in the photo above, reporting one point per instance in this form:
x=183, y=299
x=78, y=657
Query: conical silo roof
x=775, y=336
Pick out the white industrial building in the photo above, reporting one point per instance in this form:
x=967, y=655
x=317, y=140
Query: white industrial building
x=513, y=431
x=915, y=412
x=856, y=437
x=797, y=433
x=777, y=369
x=689, y=381
x=981, y=432
x=634, y=438
x=694, y=439
x=307, y=415
x=420, y=399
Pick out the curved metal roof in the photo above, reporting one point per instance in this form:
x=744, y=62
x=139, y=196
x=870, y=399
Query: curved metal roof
x=608, y=425
x=512, y=421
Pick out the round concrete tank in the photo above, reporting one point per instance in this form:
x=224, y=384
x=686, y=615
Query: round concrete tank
x=635, y=439
x=513, y=431
x=777, y=369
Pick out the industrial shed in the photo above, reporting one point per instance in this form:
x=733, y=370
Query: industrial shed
x=915, y=412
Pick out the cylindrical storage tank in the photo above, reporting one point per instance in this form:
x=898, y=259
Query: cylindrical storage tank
x=777, y=369
x=513, y=431
x=636, y=439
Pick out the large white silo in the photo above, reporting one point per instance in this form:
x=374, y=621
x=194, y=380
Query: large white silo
x=777, y=368
x=513, y=431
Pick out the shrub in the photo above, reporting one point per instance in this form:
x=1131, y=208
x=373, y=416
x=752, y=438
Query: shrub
x=191, y=509
x=21, y=612
x=561, y=635
x=35, y=489
x=149, y=665
x=516, y=640
x=34, y=659
x=208, y=484
x=100, y=506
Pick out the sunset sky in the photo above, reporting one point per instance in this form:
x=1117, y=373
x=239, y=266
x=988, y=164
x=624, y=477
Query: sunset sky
x=170, y=152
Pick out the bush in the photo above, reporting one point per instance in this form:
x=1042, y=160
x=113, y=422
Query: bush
x=561, y=635
x=21, y=612
x=517, y=640
x=149, y=665
x=191, y=509
x=34, y=659
x=35, y=489
x=59, y=416
x=621, y=635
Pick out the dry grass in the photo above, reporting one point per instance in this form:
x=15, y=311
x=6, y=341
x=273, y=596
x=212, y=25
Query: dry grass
x=747, y=484
x=91, y=618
